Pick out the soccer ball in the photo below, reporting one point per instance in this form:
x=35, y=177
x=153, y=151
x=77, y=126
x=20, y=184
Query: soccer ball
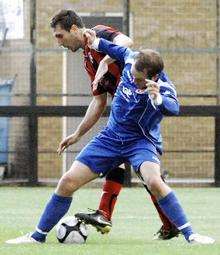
x=71, y=231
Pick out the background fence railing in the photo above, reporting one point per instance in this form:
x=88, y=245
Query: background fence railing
x=31, y=148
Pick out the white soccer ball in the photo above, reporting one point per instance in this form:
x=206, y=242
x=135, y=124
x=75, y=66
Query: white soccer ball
x=71, y=231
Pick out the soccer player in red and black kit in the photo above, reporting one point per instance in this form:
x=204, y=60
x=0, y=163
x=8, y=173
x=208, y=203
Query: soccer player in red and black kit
x=69, y=32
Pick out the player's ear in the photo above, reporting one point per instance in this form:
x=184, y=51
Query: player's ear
x=155, y=77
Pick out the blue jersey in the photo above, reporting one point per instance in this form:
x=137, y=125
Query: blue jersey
x=133, y=114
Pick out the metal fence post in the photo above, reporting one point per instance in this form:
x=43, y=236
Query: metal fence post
x=217, y=119
x=32, y=118
x=217, y=46
x=217, y=152
x=126, y=17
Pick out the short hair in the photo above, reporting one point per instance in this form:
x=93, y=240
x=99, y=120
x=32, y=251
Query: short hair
x=150, y=60
x=66, y=18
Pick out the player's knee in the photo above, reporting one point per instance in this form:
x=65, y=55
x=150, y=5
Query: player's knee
x=154, y=183
x=66, y=185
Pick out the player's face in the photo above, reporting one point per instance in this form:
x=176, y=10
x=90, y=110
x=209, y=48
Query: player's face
x=69, y=40
x=139, y=77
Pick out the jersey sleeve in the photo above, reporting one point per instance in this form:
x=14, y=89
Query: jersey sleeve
x=106, y=85
x=116, y=52
x=170, y=103
x=105, y=32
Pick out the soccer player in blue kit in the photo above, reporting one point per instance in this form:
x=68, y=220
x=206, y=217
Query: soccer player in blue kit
x=132, y=135
x=68, y=31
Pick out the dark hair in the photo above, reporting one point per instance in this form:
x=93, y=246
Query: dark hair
x=151, y=61
x=66, y=18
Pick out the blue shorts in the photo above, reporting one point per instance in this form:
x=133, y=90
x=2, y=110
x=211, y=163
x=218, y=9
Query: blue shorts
x=107, y=151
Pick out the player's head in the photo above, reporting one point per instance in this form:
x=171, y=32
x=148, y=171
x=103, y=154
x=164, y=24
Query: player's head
x=68, y=29
x=147, y=65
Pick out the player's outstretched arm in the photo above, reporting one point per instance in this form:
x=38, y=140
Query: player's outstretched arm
x=117, y=52
x=93, y=114
x=121, y=40
x=65, y=143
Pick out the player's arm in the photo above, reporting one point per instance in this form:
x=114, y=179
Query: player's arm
x=93, y=114
x=164, y=97
x=121, y=40
x=170, y=104
x=117, y=52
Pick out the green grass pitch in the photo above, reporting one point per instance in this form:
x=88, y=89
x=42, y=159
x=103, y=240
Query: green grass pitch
x=134, y=222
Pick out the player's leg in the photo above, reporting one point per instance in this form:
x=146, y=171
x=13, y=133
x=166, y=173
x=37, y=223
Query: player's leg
x=78, y=175
x=142, y=155
x=95, y=159
x=168, y=230
x=101, y=218
x=109, y=150
x=110, y=191
x=169, y=203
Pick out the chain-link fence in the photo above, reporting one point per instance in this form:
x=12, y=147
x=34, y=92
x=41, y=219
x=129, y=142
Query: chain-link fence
x=185, y=32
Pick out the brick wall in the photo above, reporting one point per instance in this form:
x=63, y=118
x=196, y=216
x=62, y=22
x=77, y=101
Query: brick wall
x=174, y=25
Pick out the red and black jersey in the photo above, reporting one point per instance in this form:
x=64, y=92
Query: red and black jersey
x=92, y=58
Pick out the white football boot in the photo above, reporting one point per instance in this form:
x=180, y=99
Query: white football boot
x=23, y=240
x=199, y=239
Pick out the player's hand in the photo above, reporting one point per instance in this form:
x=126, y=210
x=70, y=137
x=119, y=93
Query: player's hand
x=102, y=69
x=69, y=140
x=90, y=36
x=152, y=88
x=95, y=84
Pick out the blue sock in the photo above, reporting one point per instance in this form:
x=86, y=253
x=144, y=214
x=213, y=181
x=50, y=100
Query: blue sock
x=174, y=211
x=56, y=208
